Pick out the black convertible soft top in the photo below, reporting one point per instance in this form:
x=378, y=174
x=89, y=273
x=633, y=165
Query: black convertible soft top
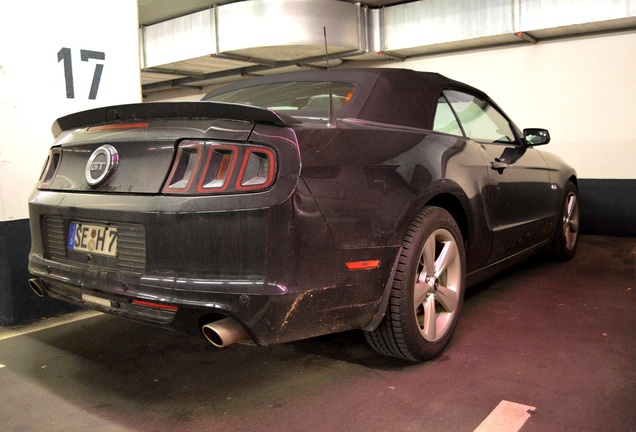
x=393, y=96
x=385, y=95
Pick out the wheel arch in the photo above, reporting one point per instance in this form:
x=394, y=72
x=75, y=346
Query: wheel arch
x=574, y=180
x=452, y=204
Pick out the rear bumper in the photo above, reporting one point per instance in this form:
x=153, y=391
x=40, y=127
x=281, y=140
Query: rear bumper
x=275, y=270
x=270, y=313
x=179, y=303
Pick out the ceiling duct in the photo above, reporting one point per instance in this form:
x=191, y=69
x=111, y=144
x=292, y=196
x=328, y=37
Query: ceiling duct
x=554, y=18
x=187, y=37
x=432, y=26
x=428, y=26
x=287, y=30
x=249, y=37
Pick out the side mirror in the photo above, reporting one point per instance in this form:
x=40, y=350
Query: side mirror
x=534, y=136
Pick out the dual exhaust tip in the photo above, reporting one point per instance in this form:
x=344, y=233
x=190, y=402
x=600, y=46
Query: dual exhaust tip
x=221, y=333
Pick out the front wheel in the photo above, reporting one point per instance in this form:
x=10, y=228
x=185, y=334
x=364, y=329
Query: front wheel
x=566, y=234
x=427, y=292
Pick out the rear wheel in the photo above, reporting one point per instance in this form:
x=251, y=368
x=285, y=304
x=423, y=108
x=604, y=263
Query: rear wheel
x=427, y=292
x=566, y=234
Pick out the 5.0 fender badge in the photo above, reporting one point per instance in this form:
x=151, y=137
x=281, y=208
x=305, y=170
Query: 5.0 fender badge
x=101, y=165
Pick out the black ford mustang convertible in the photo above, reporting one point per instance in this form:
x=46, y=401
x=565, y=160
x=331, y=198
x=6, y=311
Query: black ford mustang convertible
x=295, y=205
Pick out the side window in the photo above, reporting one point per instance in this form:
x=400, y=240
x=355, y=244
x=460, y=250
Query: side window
x=445, y=120
x=480, y=120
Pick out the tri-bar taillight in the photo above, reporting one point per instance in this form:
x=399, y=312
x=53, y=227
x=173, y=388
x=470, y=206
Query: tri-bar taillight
x=203, y=167
x=51, y=166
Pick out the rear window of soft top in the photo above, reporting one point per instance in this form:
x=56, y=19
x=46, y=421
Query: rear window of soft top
x=298, y=96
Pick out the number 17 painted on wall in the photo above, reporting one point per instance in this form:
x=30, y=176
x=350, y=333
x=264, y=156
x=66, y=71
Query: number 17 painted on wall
x=65, y=55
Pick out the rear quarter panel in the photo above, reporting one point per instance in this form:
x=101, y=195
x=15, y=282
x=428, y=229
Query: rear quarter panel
x=370, y=182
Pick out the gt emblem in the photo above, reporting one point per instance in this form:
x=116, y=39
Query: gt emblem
x=101, y=165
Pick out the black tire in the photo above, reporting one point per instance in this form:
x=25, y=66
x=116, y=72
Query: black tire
x=427, y=292
x=566, y=233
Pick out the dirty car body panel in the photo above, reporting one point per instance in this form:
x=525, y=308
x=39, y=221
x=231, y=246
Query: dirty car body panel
x=269, y=215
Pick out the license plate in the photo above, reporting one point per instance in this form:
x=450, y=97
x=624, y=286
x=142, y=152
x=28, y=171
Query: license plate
x=93, y=238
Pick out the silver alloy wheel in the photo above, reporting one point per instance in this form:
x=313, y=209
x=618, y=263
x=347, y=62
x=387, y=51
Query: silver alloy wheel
x=571, y=221
x=437, y=285
x=427, y=292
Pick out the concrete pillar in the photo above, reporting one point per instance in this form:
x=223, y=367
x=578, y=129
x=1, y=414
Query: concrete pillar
x=55, y=58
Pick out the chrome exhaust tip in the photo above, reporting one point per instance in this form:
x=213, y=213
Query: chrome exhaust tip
x=224, y=332
x=38, y=287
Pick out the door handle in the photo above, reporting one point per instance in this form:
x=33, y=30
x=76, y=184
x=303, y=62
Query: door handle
x=498, y=165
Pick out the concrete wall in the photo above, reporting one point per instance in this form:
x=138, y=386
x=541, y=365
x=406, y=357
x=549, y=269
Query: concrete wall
x=55, y=58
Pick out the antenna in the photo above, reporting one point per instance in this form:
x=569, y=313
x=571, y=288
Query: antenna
x=332, y=121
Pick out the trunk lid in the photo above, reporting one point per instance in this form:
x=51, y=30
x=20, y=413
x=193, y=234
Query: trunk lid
x=131, y=148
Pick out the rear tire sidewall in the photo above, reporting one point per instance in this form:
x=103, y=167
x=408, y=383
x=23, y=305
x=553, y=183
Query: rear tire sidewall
x=432, y=219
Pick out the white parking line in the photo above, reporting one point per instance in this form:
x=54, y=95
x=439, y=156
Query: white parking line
x=506, y=417
x=49, y=323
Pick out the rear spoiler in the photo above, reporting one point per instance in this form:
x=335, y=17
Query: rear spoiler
x=172, y=110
